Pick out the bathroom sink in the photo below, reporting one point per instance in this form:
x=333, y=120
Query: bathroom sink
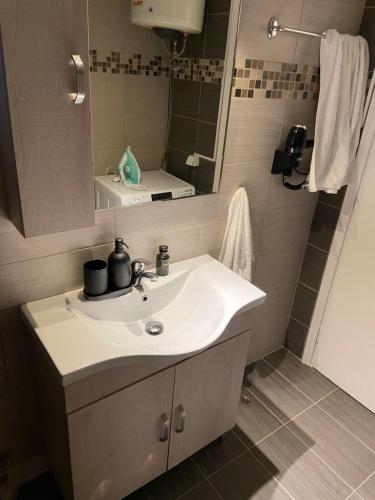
x=179, y=314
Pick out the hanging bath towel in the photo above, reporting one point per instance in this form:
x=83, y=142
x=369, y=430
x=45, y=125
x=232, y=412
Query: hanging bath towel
x=344, y=65
x=237, y=249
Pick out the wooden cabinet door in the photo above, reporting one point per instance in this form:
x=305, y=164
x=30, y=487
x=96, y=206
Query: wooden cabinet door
x=45, y=138
x=206, y=395
x=115, y=444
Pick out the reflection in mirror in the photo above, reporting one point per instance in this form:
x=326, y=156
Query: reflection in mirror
x=160, y=76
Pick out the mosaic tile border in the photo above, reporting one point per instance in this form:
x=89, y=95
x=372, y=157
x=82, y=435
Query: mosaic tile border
x=275, y=80
x=135, y=64
x=201, y=70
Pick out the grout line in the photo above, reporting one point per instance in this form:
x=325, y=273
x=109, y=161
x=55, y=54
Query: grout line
x=298, y=437
x=307, y=286
x=321, y=460
x=223, y=466
x=312, y=451
x=247, y=450
x=294, y=355
x=207, y=477
x=329, y=205
x=290, y=382
x=193, y=119
x=347, y=430
x=283, y=424
x=360, y=485
x=300, y=322
x=265, y=406
x=317, y=248
x=296, y=386
x=270, y=474
x=191, y=489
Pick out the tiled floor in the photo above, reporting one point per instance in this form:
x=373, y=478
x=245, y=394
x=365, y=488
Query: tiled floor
x=297, y=436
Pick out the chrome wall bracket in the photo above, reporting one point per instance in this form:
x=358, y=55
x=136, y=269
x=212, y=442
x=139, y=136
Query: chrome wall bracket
x=274, y=27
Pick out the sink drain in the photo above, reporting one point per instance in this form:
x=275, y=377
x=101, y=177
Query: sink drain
x=154, y=327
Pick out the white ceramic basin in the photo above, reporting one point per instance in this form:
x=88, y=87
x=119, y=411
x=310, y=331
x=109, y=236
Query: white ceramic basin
x=195, y=303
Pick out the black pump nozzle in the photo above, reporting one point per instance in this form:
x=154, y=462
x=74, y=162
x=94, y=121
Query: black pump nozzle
x=119, y=245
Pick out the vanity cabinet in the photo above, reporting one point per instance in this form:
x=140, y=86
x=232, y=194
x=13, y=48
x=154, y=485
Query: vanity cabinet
x=121, y=442
x=127, y=439
x=45, y=136
x=206, y=394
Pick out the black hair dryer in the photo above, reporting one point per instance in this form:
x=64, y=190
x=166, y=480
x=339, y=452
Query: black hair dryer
x=285, y=162
x=296, y=141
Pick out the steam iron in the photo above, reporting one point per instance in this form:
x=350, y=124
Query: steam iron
x=128, y=168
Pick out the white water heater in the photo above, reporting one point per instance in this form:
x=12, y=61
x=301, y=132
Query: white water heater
x=185, y=16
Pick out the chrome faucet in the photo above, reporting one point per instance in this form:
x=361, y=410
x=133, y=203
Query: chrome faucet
x=139, y=273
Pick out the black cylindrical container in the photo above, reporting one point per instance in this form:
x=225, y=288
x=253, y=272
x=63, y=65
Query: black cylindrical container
x=119, y=267
x=95, y=277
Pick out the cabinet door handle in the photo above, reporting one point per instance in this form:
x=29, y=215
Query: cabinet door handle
x=181, y=417
x=79, y=95
x=165, y=426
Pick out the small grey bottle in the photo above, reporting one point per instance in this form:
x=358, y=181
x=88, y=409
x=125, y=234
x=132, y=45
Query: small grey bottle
x=162, y=261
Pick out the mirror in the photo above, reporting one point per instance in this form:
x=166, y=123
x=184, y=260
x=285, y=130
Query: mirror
x=165, y=95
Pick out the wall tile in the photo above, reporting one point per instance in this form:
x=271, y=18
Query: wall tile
x=107, y=21
x=296, y=335
x=323, y=226
x=218, y=6
x=147, y=135
x=253, y=176
x=107, y=95
x=212, y=235
x=304, y=303
x=253, y=130
x=280, y=197
x=209, y=102
x=216, y=36
x=144, y=94
x=252, y=38
x=320, y=15
x=206, y=137
x=313, y=267
x=336, y=200
x=6, y=425
x=176, y=165
x=186, y=95
x=269, y=322
x=151, y=218
x=284, y=227
x=13, y=247
x=34, y=279
x=183, y=133
x=204, y=176
x=183, y=244
x=367, y=30
x=279, y=267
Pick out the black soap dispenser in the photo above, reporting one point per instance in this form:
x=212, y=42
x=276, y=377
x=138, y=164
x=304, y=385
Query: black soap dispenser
x=119, y=267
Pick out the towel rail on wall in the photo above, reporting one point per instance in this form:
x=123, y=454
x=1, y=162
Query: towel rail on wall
x=274, y=27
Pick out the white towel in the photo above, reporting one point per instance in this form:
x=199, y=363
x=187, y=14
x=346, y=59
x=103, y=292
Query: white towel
x=344, y=65
x=237, y=249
